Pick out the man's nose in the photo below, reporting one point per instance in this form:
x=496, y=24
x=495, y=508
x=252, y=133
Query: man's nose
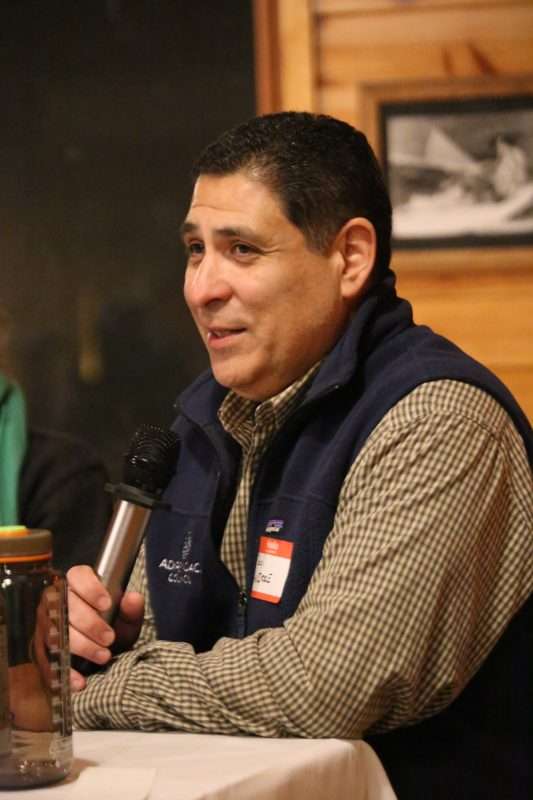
x=207, y=282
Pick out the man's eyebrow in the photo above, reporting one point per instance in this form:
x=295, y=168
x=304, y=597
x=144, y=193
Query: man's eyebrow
x=226, y=231
x=238, y=232
x=187, y=227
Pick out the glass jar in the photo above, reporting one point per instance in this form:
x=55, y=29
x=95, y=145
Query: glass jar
x=5, y=727
x=36, y=705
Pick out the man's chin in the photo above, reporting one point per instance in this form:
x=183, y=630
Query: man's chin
x=236, y=384
x=227, y=378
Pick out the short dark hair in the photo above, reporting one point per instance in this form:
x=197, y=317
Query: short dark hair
x=322, y=169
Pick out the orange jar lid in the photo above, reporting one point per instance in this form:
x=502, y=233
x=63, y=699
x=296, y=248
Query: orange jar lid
x=18, y=544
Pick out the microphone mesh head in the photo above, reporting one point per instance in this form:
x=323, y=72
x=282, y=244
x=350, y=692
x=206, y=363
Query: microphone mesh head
x=150, y=460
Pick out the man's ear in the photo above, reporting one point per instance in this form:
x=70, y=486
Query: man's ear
x=357, y=243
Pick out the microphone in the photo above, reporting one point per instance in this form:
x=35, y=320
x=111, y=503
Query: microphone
x=148, y=466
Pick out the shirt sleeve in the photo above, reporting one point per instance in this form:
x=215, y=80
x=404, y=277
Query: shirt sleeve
x=424, y=567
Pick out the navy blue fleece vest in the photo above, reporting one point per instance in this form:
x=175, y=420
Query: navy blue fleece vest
x=381, y=357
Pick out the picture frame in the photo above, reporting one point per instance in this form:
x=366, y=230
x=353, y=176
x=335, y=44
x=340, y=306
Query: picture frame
x=457, y=156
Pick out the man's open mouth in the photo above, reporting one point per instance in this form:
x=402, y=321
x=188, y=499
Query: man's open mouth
x=222, y=333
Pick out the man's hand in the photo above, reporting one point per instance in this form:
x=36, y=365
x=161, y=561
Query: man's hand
x=90, y=636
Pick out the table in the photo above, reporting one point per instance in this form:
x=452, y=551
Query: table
x=124, y=765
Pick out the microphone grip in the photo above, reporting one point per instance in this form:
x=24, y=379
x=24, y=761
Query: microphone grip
x=119, y=551
x=116, y=560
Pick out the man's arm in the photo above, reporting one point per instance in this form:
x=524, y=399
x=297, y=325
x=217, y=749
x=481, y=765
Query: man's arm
x=423, y=569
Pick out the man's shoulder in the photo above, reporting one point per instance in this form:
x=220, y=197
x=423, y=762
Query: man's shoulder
x=449, y=397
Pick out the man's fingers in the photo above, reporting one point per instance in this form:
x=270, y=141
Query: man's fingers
x=90, y=635
x=88, y=622
x=131, y=608
x=77, y=681
x=83, y=647
x=130, y=619
x=83, y=581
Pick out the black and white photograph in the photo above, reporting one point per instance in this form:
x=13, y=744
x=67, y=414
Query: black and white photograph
x=460, y=171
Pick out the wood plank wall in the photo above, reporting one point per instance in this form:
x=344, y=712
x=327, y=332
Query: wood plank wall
x=341, y=57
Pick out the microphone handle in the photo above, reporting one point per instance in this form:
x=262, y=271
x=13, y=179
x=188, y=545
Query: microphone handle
x=119, y=551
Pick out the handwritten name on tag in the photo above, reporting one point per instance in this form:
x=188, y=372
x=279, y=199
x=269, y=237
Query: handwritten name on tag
x=271, y=569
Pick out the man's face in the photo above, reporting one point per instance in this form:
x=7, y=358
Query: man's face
x=266, y=306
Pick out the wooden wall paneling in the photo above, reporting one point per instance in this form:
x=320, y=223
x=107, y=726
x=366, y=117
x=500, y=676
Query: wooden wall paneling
x=410, y=43
x=266, y=56
x=285, y=55
x=338, y=8
x=297, y=55
x=378, y=6
x=340, y=56
x=489, y=313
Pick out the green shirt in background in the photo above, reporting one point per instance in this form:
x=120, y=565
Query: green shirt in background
x=12, y=448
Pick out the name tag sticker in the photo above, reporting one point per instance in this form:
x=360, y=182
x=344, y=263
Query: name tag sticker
x=271, y=569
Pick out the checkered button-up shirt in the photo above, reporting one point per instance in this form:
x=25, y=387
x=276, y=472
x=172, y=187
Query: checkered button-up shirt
x=428, y=559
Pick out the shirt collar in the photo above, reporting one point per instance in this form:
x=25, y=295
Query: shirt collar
x=237, y=411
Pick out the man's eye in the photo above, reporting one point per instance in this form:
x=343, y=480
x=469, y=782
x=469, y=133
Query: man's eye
x=194, y=248
x=242, y=249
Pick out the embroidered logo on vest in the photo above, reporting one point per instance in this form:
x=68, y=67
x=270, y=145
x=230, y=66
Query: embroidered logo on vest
x=182, y=570
x=274, y=525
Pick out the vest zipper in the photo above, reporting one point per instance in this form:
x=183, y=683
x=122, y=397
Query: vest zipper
x=281, y=432
x=242, y=609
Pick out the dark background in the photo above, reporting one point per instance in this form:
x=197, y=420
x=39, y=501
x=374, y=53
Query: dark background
x=104, y=107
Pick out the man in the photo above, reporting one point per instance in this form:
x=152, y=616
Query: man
x=348, y=548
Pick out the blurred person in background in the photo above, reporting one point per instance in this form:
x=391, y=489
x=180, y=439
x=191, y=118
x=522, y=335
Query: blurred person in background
x=48, y=479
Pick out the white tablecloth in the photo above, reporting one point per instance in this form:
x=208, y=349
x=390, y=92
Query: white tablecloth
x=112, y=765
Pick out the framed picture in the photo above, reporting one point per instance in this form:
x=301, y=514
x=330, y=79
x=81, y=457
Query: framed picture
x=458, y=160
